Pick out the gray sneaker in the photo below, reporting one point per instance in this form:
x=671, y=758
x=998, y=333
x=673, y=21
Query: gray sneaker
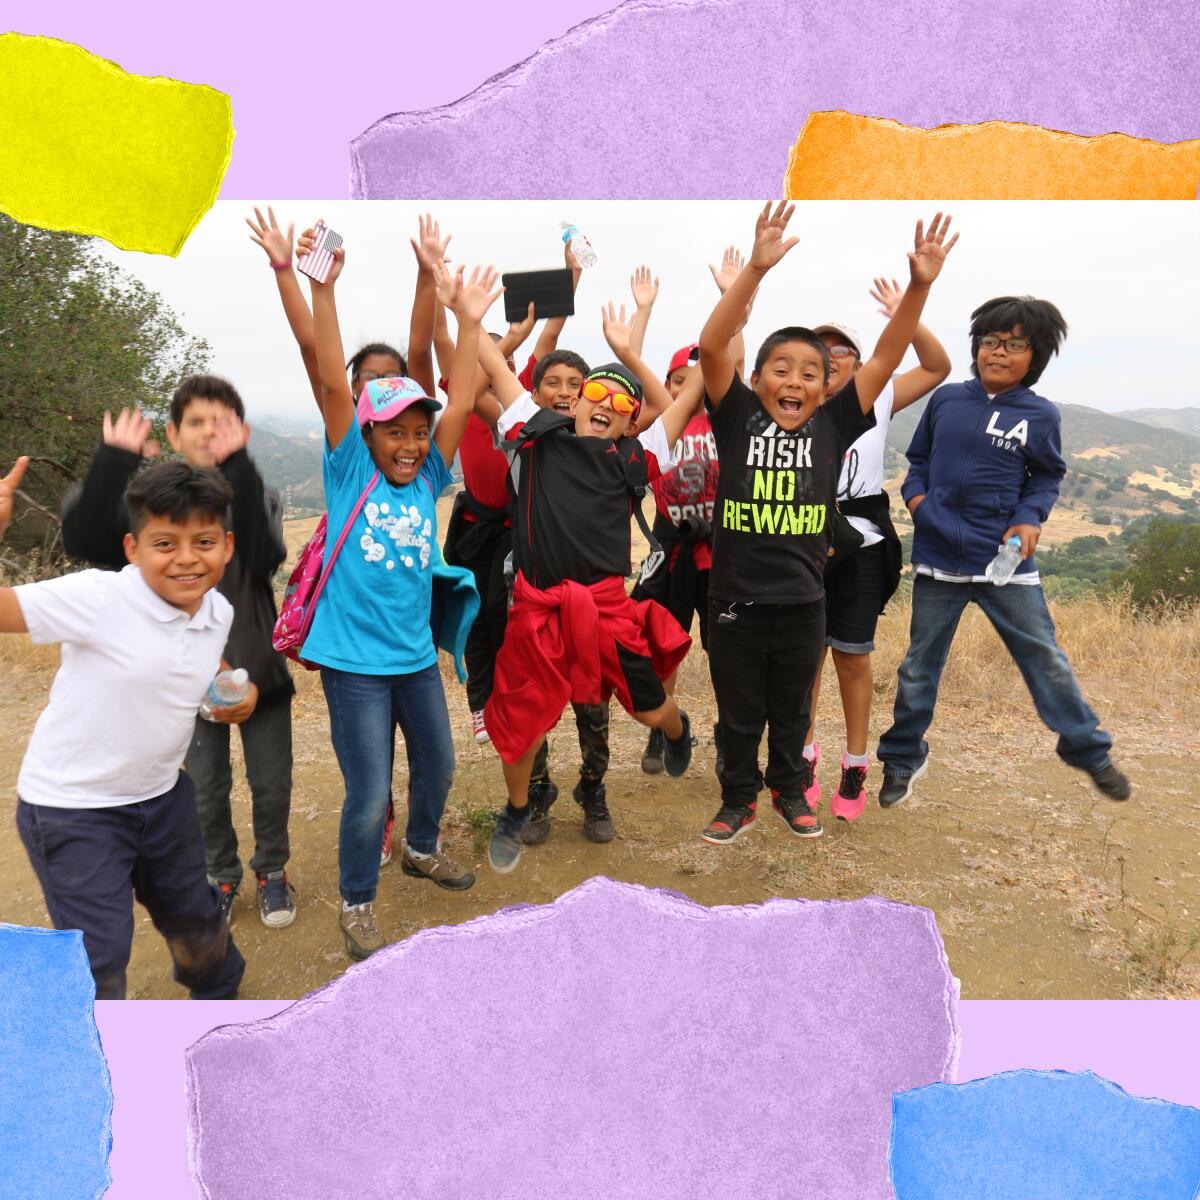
x=438, y=868
x=360, y=931
x=504, y=850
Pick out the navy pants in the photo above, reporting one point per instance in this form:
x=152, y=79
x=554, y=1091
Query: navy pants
x=93, y=862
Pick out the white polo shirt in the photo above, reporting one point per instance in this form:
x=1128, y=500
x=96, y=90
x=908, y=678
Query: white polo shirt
x=123, y=703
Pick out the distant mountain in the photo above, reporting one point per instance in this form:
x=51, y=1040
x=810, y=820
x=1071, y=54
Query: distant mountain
x=292, y=465
x=1183, y=420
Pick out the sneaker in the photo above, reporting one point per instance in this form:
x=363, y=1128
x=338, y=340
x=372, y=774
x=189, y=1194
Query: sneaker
x=848, y=802
x=730, y=823
x=1111, y=781
x=437, y=867
x=812, y=789
x=798, y=815
x=275, y=904
x=228, y=893
x=504, y=850
x=719, y=761
x=537, y=828
x=385, y=853
x=677, y=752
x=899, y=787
x=478, y=728
x=652, y=759
x=597, y=821
x=360, y=931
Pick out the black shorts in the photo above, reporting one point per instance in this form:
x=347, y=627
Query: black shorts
x=850, y=621
x=697, y=602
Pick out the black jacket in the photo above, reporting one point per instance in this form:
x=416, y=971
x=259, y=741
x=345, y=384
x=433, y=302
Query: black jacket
x=95, y=522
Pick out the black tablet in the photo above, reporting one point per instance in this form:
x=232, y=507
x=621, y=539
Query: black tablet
x=550, y=292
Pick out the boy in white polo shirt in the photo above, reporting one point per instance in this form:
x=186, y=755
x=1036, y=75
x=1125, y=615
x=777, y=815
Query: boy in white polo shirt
x=103, y=807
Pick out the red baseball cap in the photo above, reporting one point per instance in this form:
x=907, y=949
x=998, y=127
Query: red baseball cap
x=688, y=356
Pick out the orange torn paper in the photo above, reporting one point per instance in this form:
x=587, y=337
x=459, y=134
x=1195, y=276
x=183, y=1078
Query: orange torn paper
x=88, y=148
x=840, y=156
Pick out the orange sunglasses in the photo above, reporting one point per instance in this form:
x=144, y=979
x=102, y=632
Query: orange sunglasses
x=596, y=391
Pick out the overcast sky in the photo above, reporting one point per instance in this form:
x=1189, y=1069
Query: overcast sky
x=1125, y=275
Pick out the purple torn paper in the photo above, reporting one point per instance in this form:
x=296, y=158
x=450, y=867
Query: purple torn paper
x=662, y=99
x=619, y=1043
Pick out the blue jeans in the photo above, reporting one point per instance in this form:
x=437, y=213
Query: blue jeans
x=1020, y=616
x=364, y=711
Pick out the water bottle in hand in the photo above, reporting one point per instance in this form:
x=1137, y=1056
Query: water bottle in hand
x=1000, y=569
x=229, y=687
x=581, y=248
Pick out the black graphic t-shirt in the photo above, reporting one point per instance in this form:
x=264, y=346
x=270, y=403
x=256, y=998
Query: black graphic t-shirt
x=773, y=524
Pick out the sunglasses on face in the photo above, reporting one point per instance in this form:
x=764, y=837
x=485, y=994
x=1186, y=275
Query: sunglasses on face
x=1014, y=345
x=597, y=392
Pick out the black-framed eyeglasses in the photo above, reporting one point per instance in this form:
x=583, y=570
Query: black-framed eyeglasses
x=1014, y=345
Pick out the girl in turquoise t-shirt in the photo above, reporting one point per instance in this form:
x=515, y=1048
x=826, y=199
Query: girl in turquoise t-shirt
x=371, y=634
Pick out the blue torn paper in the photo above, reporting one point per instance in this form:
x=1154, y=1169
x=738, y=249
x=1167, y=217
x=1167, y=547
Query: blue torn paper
x=55, y=1092
x=1037, y=1135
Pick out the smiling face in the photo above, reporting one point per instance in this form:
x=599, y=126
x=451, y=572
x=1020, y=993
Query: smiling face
x=791, y=384
x=399, y=446
x=559, y=388
x=999, y=367
x=677, y=379
x=842, y=364
x=596, y=418
x=191, y=437
x=180, y=562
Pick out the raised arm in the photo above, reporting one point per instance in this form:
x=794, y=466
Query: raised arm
x=645, y=292
x=338, y=410
x=279, y=250
x=469, y=301
x=443, y=343
x=727, y=318
x=618, y=333
x=924, y=265
x=505, y=385
x=429, y=247
x=547, y=341
x=934, y=362
x=732, y=264
x=518, y=334
x=12, y=620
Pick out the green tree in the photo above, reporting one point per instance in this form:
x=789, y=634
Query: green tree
x=1164, y=564
x=77, y=336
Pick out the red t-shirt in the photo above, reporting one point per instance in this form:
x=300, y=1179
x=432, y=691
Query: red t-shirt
x=690, y=488
x=485, y=469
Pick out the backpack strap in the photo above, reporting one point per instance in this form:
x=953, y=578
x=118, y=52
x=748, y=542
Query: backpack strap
x=330, y=558
x=636, y=480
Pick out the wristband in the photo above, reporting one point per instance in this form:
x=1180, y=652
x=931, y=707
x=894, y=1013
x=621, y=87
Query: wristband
x=281, y=266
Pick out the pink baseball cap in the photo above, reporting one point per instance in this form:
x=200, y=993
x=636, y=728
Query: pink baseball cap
x=383, y=399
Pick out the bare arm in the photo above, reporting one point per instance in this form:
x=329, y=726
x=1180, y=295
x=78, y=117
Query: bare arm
x=645, y=292
x=684, y=407
x=518, y=334
x=443, y=343
x=931, y=354
x=338, y=411
x=12, y=619
x=506, y=386
x=618, y=332
x=430, y=249
x=547, y=341
x=8, y=489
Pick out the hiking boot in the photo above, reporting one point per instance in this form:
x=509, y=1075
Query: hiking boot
x=385, y=852
x=275, y=904
x=537, y=828
x=652, y=759
x=504, y=850
x=848, y=802
x=730, y=823
x=677, y=752
x=479, y=729
x=227, y=893
x=438, y=868
x=597, y=821
x=360, y=931
x=899, y=787
x=1111, y=781
x=798, y=815
x=719, y=760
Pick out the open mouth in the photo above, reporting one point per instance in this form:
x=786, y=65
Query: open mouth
x=790, y=405
x=562, y=406
x=600, y=421
x=186, y=580
x=405, y=465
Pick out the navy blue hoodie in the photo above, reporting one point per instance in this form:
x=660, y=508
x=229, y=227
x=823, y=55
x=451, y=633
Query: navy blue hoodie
x=983, y=463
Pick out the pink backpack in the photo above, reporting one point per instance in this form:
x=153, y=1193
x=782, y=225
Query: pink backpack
x=306, y=583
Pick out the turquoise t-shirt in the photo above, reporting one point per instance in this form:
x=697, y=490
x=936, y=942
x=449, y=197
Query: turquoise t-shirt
x=373, y=616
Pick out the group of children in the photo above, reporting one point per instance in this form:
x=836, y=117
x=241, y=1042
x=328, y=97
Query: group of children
x=771, y=529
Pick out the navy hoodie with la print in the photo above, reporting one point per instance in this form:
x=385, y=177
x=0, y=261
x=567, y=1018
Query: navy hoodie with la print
x=983, y=463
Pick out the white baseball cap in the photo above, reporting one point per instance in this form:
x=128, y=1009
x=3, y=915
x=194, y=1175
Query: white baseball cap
x=846, y=331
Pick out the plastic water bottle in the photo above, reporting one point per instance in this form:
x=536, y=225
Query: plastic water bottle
x=1000, y=569
x=581, y=248
x=229, y=687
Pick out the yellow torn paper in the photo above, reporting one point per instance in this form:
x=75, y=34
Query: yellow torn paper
x=840, y=156
x=88, y=148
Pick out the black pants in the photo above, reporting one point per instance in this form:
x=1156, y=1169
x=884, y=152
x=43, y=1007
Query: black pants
x=93, y=862
x=591, y=723
x=487, y=633
x=763, y=665
x=267, y=749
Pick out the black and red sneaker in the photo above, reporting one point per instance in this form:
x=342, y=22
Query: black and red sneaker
x=730, y=823
x=798, y=815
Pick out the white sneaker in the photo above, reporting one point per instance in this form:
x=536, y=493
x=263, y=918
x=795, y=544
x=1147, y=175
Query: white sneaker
x=478, y=728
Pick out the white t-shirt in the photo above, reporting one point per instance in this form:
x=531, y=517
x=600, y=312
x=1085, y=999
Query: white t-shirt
x=123, y=703
x=862, y=466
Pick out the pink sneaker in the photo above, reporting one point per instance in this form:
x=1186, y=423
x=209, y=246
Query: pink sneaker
x=850, y=799
x=812, y=793
x=385, y=853
x=478, y=728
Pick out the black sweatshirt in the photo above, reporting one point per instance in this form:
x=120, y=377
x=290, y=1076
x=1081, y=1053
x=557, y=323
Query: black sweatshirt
x=95, y=522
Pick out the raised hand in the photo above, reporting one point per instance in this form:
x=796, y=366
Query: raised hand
x=929, y=250
x=229, y=435
x=308, y=239
x=271, y=238
x=429, y=246
x=130, y=431
x=644, y=287
x=887, y=294
x=518, y=331
x=769, y=243
x=8, y=489
x=617, y=329
x=468, y=299
x=732, y=262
